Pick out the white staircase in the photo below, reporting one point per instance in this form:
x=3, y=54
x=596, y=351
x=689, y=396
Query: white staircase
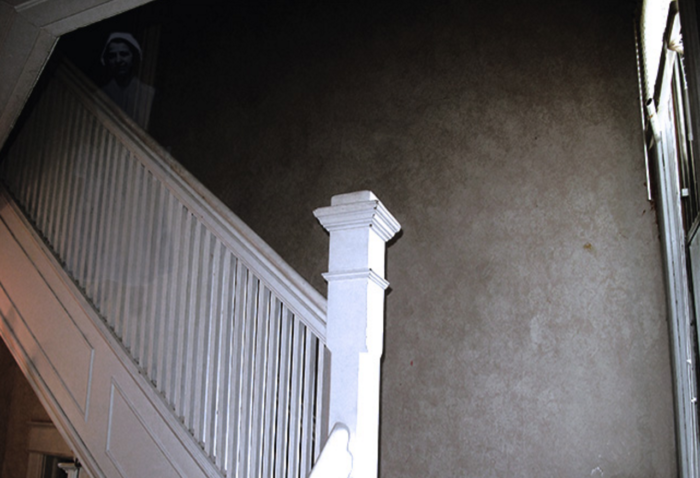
x=166, y=338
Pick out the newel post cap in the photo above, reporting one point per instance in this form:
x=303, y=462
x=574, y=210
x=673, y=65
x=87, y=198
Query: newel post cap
x=356, y=210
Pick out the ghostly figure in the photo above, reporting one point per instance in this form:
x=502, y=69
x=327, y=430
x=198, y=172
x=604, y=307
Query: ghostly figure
x=121, y=56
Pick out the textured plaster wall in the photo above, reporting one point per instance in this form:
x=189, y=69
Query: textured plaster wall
x=526, y=330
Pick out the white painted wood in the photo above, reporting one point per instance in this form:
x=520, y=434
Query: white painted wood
x=236, y=235
x=170, y=274
x=25, y=50
x=262, y=322
x=106, y=294
x=652, y=21
x=673, y=244
x=335, y=460
x=23, y=314
x=58, y=17
x=70, y=469
x=272, y=385
x=295, y=402
x=359, y=226
x=283, y=419
x=663, y=151
x=307, y=411
x=322, y=394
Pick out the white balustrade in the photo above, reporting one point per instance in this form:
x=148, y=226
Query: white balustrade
x=234, y=341
x=227, y=333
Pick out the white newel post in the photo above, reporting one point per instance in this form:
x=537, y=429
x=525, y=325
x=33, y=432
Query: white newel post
x=359, y=227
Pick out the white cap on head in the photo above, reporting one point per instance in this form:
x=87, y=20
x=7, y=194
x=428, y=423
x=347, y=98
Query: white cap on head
x=125, y=37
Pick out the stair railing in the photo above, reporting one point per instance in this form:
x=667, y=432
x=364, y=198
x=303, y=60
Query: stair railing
x=234, y=340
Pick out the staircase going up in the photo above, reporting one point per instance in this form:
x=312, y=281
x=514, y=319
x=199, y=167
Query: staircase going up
x=164, y=336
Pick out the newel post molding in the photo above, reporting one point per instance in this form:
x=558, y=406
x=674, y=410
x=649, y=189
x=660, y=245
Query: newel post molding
x=359, y=227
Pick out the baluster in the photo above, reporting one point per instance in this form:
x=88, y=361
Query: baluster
x=203, y=330
x=123, y=250
x=137, y=267
x=283, y=416
x=156, y=279
x=238, y=370
x=220, y=314
x=322, y=393
x=271, y=388
x=158, y=296
x=82, y=241
x=262, y=327
x=247, y=369
x=43, y=153
x=190, y=320
x=48, y=166
x=216, y=343
x=63, y=130
x=146, y=271
x=225, y=398
x=174, y=306
x=295, y=401
x=308, y=396
x=77, y=192
x=68, y=180
x=27, y=164
x=97, y=223
x=116, y=234
x=183, y=311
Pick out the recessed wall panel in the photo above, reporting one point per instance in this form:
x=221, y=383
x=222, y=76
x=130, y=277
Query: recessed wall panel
x=130, y=445
x=55, y=334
